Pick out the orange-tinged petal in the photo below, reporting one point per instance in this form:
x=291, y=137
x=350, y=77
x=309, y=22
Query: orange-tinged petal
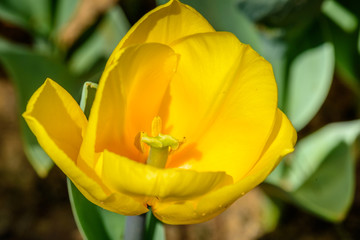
x=140, y=180
x=165, y=24
x=283, y=138
x=128, y=98
x=223, y=99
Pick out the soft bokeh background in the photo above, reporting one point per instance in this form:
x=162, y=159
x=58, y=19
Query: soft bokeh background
x=314, y=47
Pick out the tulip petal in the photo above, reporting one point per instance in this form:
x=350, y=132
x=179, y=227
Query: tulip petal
x=165, y=24
x=59, y=115
x=282, y=138
x=128, y=98
x=140, y=180
x=116, y=202
x=224, y=104
x=57, y=121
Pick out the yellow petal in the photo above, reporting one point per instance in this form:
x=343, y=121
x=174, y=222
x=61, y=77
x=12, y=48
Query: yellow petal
x=57, y=121
x=128, y=98
x=140, y=180
x=223, y=99
x=117, y=202
x=165, y=24
x=280, y=143
x=61, y=117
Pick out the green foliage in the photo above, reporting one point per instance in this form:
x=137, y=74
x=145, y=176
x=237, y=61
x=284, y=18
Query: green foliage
x=94, y=222
x=310, y=78
x=319, y=175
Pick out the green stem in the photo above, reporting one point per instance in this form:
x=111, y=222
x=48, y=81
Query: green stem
x=135, y=227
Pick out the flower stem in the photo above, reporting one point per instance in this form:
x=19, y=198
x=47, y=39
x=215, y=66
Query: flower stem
x=135, y=227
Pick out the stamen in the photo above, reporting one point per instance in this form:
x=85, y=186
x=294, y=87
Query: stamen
x=160, y=145
x=156, y=126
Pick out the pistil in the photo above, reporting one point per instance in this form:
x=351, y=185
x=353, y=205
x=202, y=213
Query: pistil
x=160, y=144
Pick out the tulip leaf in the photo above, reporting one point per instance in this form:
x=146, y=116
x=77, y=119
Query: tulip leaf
x=94, y=222
x=274, y=51
x=97, y=223
x=320, y=173
x=280, y=13
x=28, y=70
x=340, y=15
x=154, y=228
x=259, y=9
x=312, y=150
x=329, y=192
x=347, y=55
x=310, y=78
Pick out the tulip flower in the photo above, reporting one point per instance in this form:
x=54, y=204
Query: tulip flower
x=184, y=121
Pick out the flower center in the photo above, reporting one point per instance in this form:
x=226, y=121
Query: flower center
x=160, y=144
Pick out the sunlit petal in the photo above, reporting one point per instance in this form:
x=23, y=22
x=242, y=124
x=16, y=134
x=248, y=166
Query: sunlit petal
x=224, y=104
x=165, y=24
x=282, y=140
x=140, y=180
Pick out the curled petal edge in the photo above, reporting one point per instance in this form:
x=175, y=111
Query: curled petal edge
x=214, y=203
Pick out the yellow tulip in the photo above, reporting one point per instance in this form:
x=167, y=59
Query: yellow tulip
x=185, y=120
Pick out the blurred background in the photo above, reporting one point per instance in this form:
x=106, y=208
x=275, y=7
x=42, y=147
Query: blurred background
x=314, y=47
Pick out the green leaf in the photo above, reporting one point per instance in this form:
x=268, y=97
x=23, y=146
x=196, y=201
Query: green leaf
x=259, y=9
x=154, y=228
x=97, y=223
x=312, y=150
x=347, y=55
x=340, y=15
x=94, y=222
x=320, y=173
x=329, y=192
x=310, y=78
x=28, y=70
x=274, y=51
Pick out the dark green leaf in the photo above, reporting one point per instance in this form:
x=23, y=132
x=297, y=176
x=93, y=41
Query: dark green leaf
x=320, y=173
x=87, y=215
x=329, y=192
x=154, y=228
